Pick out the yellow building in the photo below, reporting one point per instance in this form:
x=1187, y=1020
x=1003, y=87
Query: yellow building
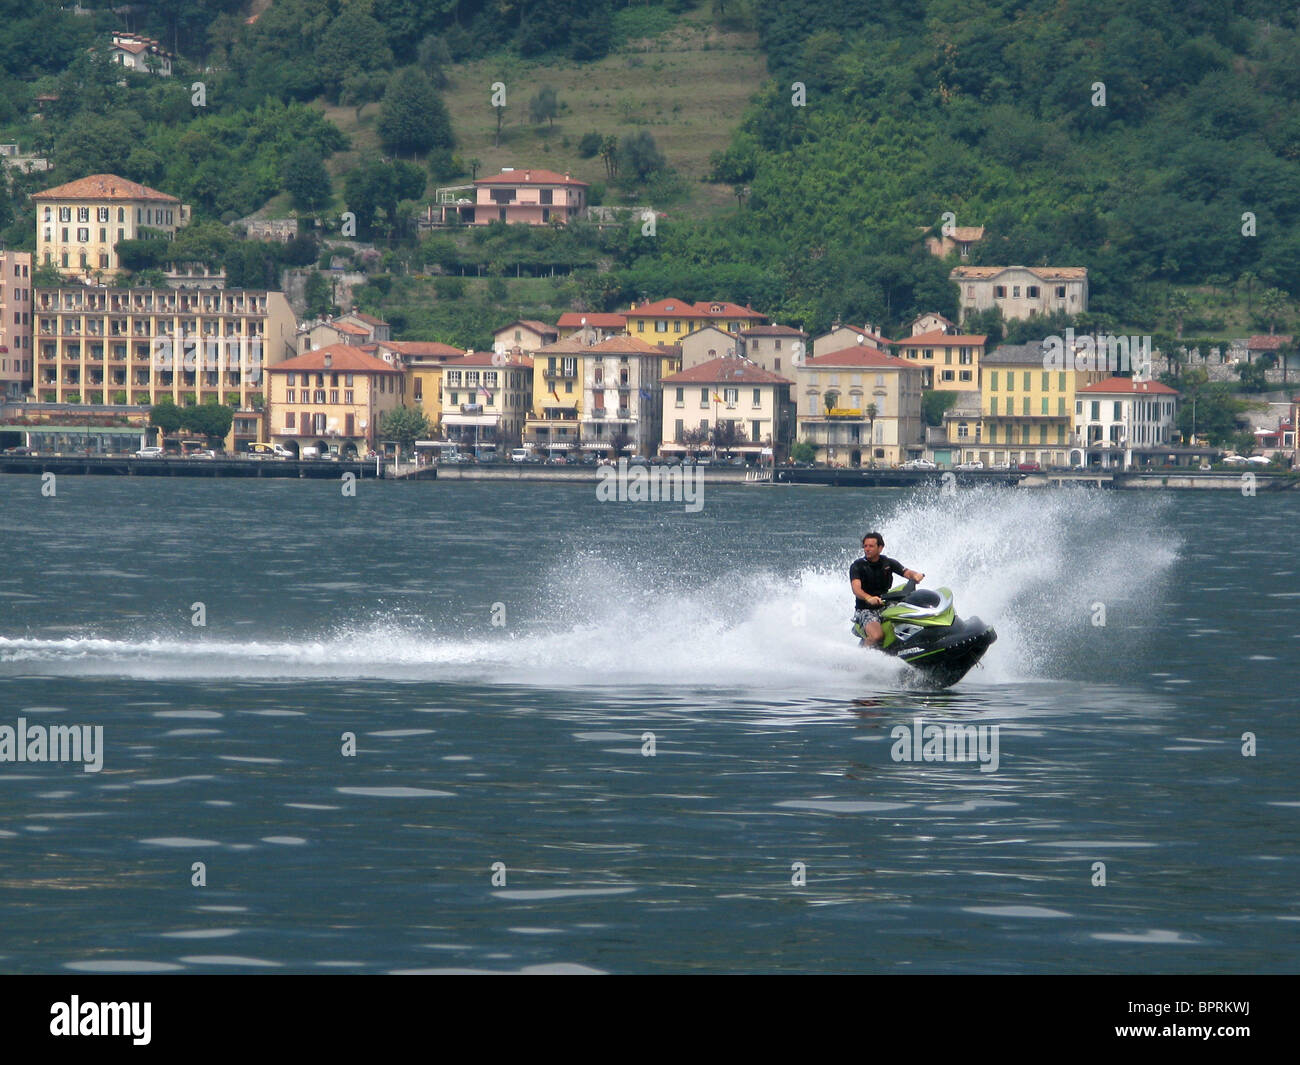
x=1027, y=411
x=422, y=362
x=78, y=225
x=136, y=347
x=859, y=406
x=948, y=361
x=558, y=375
x=333, y=399
x=486, y=397
x=665, y=322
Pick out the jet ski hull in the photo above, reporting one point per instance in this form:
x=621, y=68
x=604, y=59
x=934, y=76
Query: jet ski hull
x=941, y=663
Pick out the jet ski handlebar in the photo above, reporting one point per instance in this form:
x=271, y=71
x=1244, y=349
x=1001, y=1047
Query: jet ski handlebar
x=899, y=594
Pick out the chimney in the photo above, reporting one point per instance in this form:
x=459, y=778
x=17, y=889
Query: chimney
x=329, y=360
x=528, y=175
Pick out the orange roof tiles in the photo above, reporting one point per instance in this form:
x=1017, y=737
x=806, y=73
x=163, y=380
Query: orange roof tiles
x=103, y=187
x=726, y=370
x=343, y=357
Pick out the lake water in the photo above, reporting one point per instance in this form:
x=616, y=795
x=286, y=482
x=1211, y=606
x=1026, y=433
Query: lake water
x=656, y=721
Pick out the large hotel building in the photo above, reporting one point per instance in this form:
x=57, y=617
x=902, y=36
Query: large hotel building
x=141, y=345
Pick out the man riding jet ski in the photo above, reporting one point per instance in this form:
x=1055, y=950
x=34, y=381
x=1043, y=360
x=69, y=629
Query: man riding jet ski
x=919, y=627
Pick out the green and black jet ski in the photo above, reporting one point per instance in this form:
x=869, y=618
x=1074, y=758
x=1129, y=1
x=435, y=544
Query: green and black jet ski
x=923, y=629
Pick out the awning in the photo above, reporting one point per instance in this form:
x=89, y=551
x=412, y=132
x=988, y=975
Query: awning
x=470, y=420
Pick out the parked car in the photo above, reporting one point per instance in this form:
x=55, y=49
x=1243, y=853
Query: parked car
x=1029, y=467
x=19, y=451
x=976, y=465
x=918, y=464
x=264, y=450
x=150, y=453
x=1259, y=460
x=202, y=453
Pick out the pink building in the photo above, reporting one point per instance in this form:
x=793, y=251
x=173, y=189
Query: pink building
x=531, y=197
x=15, y=323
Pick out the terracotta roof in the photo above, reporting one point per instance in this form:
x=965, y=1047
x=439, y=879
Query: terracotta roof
x=674, y=308
x=491, y=360
x=134, y=47
x=568, y=346
x=421, y=347
x=369, y=319
x=625, y=345
x=727, y=310
x=1267, y=343
x=1043, y=273
x=860, y=355
x=343, y=357
x=348, y=327
x=938, y=339
x=103, y=187
x=856, y=331
x=530, y=176
x=531, y=323
x=772, y=331
x=966, y=233
x=726, y=371
x=1128, y=386
x=595, y=319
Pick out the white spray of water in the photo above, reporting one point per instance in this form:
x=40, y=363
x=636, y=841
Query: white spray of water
x=1031, y=563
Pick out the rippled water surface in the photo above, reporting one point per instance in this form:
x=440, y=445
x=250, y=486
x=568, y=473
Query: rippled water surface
x=655, y=721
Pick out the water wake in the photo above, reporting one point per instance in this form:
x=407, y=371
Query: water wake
x=1034, y=564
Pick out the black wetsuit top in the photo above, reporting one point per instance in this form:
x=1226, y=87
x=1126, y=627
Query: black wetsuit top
x=875, y=577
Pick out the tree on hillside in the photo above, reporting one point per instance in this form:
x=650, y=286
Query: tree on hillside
x=412, y=117
x=1272, y=302
x=1179, y=305
x=641, y=154
x=352, y=42
x=434, y=57
x=377, y=188
x=318, y=295
x=609, y=155
x=98, y=144
x=543, y=107
x=305, y=179
x=361, y=88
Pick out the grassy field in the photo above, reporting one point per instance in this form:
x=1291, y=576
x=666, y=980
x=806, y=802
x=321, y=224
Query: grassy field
x=687, y=86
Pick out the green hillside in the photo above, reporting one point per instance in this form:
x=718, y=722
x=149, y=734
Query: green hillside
x=1155, y=143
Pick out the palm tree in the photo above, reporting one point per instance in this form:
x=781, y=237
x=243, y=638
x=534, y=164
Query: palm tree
x=1272, y=301
x=1179, y=305
x=872, y=412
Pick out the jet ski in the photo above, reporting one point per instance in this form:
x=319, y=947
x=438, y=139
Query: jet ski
x=923, y=630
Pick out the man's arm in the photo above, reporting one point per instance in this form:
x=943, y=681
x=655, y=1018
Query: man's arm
x=910, y=574
x=871, y=600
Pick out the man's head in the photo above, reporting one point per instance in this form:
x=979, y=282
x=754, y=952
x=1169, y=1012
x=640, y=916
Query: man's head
x=872, y=544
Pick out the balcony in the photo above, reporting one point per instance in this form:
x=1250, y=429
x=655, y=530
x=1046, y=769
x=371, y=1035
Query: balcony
x=471, y=408
x=597, y=413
